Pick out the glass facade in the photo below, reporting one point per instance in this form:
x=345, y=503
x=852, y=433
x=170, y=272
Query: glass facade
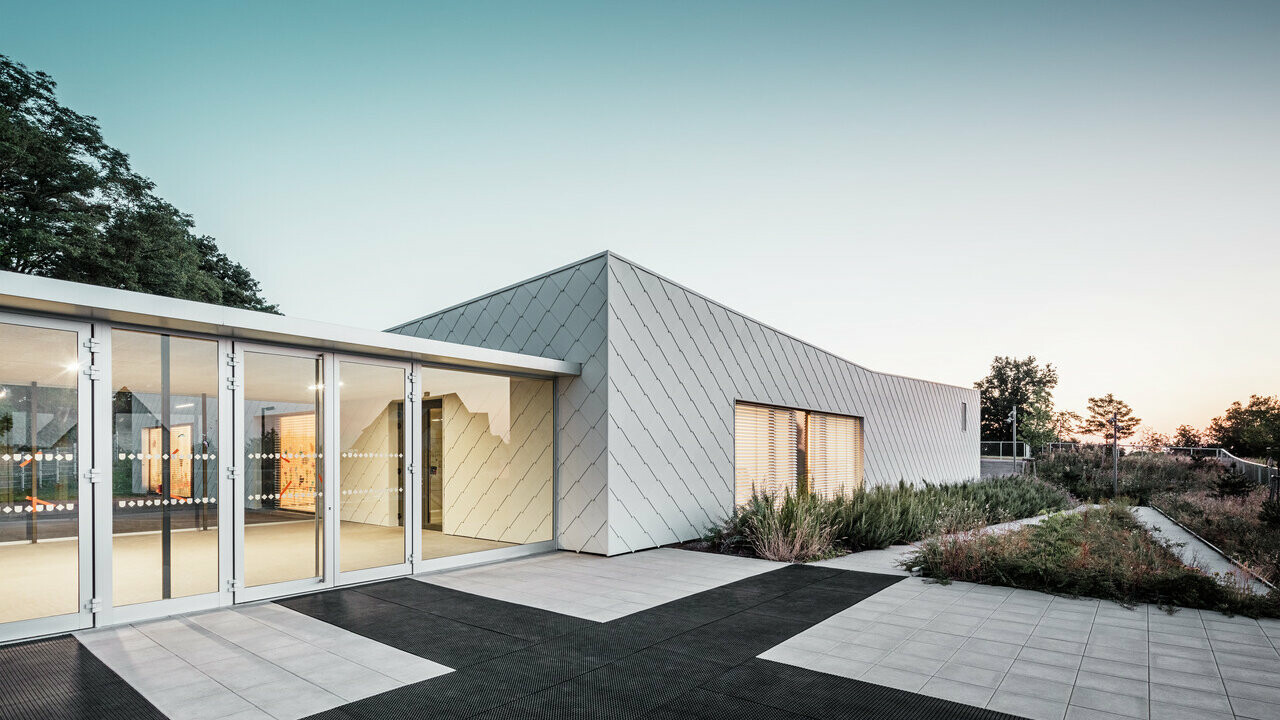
x=164, y=473
x=371, y=474
x=779, y=450
x=203, y=461
x=283, y=416
x=487, y=459
x=39, y=472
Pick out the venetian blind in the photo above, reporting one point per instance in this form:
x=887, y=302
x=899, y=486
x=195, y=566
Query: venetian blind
x=835, y=454
x=764, y=450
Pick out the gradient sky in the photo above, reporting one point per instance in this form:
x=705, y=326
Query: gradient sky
x=914, y=186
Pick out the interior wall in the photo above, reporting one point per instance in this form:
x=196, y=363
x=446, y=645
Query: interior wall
x=498, y=471
x=372, y=481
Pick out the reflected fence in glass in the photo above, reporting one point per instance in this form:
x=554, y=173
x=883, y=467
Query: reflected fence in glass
x=284, y=487
x=487, y=461
x=39, y=480
x=371, y=477
x=164, y=478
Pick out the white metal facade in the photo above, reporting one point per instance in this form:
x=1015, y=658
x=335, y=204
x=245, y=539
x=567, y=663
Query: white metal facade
x=645, y=433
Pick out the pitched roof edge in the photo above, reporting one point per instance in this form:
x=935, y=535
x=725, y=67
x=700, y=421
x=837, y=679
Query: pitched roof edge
x=502, y=289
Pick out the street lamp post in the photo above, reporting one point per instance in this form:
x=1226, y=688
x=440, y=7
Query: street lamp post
x=1115, y=455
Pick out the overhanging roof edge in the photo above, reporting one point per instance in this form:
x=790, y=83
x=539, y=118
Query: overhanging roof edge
x=31, y=294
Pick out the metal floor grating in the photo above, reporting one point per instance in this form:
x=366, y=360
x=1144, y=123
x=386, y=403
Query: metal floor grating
x=691, y=658
x=59, y=678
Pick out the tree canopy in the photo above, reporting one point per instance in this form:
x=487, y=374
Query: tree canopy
x=72, y=208
x=1101, y=410
x=1248, y=430
x=1021, y=383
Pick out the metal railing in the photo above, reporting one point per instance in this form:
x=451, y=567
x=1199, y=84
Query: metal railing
x=1005, y=449
x=1260, y=473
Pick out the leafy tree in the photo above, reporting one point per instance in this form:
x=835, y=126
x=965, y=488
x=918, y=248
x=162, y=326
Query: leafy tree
x=71, y=208
x=1153, y=440
x=1021, y=383
x=1187, y=436
x=1066, y=426
x=1248, y=430
x=1099, y=421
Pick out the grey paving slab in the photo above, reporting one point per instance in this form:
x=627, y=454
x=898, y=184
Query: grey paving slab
x=601, y=588
x=1041, y=656
x=252, y=662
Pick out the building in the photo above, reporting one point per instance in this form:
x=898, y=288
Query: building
x=161, y=456
x=670, y=378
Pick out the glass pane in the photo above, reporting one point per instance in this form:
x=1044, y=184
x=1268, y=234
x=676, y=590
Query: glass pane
x=768, y=451
x=39, y=503
x=164, y=480
x=371, y=469
x=283, y=485
x=487, y=462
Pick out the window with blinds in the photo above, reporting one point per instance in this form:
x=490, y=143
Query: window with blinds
x=766, y=441
x=835, y=454
x=779, y=449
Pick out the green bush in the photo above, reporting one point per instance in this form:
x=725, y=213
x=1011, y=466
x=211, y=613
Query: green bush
x=1103, y=553
x=793, y=528
x=1269, y=515
x=1087, y=472
x=878, y=517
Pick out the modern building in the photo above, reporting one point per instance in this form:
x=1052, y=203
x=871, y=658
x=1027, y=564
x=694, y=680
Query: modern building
x=161, y=456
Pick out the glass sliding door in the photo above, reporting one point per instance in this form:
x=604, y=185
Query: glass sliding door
x=486, y=453
x=45, y=500
x=164, y=479
x=372, y=436
x=280, y=504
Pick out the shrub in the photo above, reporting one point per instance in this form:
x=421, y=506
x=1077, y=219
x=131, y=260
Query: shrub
x=1101, y=553
x=793, y=528
x=1232, y=523
x=1087, y=473
x=1270, y=513
x=877, y=517
x=1230, y=483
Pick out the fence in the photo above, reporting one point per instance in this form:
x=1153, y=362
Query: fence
x=1260, y=473
x=1005, y=449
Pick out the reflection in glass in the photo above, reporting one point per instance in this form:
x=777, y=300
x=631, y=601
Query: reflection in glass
x=371, y=467
x=283, y=482
x=164, y=484
x=39, y=503
x=487, y=461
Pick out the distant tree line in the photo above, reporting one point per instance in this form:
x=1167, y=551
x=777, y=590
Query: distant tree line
x=1247, y=430
x=72, y=208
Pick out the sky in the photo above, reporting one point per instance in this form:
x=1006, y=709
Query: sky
x=916, y=187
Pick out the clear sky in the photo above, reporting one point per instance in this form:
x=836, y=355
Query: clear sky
x=915, y=186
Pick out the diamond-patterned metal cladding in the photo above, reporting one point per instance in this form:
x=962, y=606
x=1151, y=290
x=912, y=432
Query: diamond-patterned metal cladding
x=646, y=432
x=560, y=315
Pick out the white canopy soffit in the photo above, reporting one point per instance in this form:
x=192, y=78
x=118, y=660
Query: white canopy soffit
x=30, y=294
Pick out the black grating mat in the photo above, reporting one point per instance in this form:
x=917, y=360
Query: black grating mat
x=60, y=678
x=690, y=658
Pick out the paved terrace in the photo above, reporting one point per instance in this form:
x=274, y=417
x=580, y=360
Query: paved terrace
x=657, y=634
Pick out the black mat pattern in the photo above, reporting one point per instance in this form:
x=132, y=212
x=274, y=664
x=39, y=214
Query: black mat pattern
x=691, y=658
x=60, y=678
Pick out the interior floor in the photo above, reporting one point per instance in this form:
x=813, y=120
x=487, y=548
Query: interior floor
x=41, y=579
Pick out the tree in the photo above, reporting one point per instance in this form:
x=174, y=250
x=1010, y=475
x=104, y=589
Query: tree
x=1023, y=384
x=1188, y=437
x=72, y=208
x=1153, y=440
x=1248, y=430
x=1066, y=426
x=1101, y=410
